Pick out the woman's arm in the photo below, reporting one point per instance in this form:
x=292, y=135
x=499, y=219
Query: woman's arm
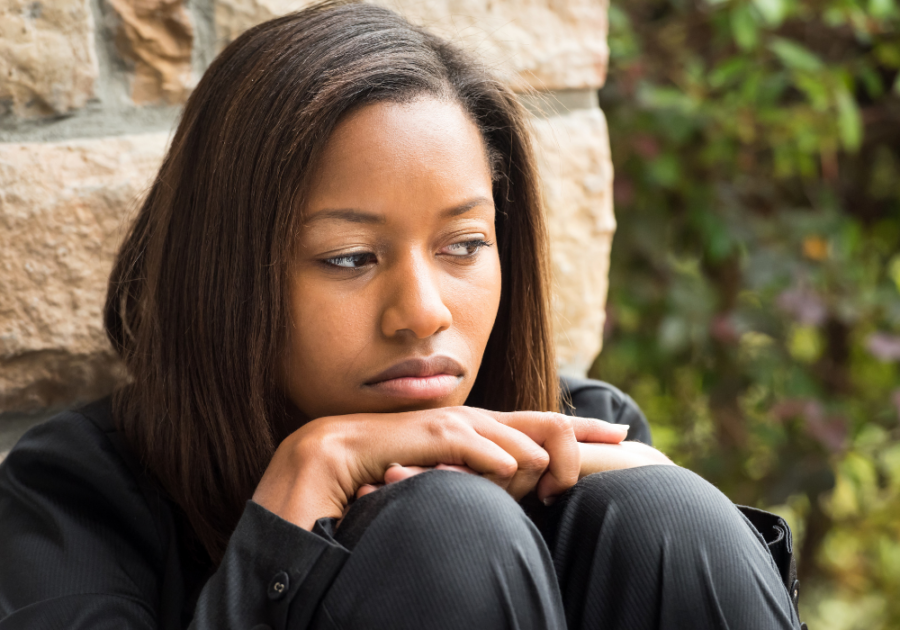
x=602, y=457
x=83, y=546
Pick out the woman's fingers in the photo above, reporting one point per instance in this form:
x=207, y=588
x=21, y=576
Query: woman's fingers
x=531, y=458
x=556, y=434
x=462, y=469
x=519, y=451
x=534, y=423
x=397, y=472
x=367, y=488
x=559, y=435
x=444, y=436
x=599, y=431
x=491, y=460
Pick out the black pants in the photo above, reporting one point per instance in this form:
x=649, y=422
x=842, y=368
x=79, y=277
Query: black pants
x=650, y=547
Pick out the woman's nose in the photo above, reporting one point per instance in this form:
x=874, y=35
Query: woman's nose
x=415, y=303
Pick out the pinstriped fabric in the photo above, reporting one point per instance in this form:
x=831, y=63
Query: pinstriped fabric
x=442, y=550
x=644, y=548
x=659, y=547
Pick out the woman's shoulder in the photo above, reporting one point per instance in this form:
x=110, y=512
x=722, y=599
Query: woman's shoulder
x=69, y=498
x=78, y=443
x=591, y=398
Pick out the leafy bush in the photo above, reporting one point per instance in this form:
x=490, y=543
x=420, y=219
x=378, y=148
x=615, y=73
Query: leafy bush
x=754, y=307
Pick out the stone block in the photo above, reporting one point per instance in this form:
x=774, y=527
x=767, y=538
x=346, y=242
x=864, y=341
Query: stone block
x=48, y=65
x=157, y=36
x=539, y=44
x=576, y=167
x=64, y=208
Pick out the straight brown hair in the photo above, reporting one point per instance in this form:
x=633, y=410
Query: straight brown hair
x=196, y=304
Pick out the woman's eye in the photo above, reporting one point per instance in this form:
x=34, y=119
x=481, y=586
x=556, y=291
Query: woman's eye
x=351, y=261
x=466, y=248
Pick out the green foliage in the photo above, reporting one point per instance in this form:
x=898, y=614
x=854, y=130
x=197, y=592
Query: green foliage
x=754, y=307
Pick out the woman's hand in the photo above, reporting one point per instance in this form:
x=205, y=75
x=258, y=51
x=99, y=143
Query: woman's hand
x=594, y=457
x=318, y=469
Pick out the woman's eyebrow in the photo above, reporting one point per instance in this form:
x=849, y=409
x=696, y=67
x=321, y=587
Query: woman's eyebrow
x=353, y=215
x=350, y=215
x=464, y=207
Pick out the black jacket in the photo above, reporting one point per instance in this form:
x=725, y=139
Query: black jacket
x=89, y=541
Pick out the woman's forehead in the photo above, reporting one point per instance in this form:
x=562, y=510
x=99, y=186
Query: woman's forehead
x=384, y=135
x=388, y=154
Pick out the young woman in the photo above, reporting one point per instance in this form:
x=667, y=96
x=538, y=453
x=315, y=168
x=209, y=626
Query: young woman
x=344, y=410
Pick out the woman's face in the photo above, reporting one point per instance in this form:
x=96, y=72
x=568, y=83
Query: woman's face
x=396, y=283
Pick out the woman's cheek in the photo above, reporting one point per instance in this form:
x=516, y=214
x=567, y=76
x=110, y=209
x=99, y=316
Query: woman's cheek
x=331, y=325
x=475, y=300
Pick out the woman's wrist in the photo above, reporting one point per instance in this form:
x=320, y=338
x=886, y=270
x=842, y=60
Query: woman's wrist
x=602, y=457
x=302, y=483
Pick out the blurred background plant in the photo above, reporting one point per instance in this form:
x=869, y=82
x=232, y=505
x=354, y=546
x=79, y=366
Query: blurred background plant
x=754, y=308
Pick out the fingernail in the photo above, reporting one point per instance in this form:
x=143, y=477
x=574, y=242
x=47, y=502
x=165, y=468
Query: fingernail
x=394, y=464
x=549, y=501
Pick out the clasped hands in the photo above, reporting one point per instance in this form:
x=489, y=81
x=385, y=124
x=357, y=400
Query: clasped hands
x=321, y=467
x=600, y=447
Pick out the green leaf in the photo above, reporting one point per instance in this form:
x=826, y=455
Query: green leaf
x=893, y=271
x=805, y=343
x=888, y=54
x=665, y=170
x=834, y=17
x=795, y=56
x=849, y=121
x=773, y=11
x=815, y=91
x=744, y=28
x=872, y=81
x=881, y=9
x=727, y=72
x=654, y=97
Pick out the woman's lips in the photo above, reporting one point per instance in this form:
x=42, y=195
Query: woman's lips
x=417, y=387
x=419, y=378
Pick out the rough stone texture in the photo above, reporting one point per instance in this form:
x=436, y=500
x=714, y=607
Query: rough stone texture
x=157, y=36
x=574, y=157
x=64, y=208
x=47, y=60
x=540, y=44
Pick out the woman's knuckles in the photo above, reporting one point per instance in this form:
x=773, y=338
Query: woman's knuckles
x=505, y=468
x=535, y=461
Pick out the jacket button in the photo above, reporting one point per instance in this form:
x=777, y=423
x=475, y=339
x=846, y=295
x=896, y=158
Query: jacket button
x=795, y=591
x=279, y=586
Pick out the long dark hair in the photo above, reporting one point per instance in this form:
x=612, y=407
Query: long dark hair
x=196, y=302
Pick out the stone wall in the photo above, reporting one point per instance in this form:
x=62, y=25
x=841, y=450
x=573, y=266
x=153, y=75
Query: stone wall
x=89, y=94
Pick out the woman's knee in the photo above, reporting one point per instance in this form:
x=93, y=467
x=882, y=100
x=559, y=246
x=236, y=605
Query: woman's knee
x=666, y=505
x=449, y=550
x=437, y=505
x=667, y=543
x=668, y=489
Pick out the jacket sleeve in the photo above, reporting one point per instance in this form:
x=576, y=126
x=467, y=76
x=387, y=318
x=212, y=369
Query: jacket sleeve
x=272, y=571
x=82, y=547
